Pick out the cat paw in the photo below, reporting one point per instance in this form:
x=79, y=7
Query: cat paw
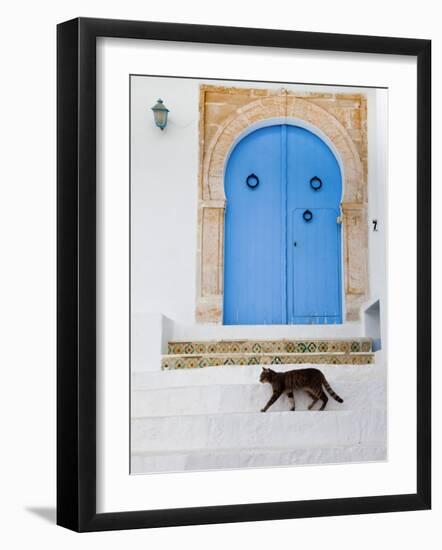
x=292, y=409
x=263, y=410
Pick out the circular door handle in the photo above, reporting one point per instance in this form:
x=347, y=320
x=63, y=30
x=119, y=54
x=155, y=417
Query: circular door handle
x=316, y=183
x=307, y=215
x=252, y=181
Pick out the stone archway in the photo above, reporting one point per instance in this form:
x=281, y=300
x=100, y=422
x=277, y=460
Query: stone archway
x=223, y=120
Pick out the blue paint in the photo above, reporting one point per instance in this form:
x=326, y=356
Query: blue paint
x=268, y=280
x=314, y=265
x=254, y=285
x=313, y=273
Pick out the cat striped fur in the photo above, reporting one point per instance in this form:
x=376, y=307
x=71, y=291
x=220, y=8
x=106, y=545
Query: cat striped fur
x=310, y=380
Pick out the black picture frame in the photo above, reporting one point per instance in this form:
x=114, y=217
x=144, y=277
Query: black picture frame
x=77, y=288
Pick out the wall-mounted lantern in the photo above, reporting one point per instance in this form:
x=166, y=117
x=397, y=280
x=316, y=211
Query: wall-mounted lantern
x=160, y=112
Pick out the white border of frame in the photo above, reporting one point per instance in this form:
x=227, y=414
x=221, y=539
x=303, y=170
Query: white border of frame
x=116, y=489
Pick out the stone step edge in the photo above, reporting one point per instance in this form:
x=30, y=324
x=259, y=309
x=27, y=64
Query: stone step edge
x=267, y=340
x=224, y=450
x=185, y=415
x=226, y=385
x=260, y=414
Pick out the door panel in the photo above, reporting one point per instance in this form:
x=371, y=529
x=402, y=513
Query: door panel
x=313, y=293
x=254, y=269
x=314, y=273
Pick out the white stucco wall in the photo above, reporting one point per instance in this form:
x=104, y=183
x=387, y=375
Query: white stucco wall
x=164, y=187
x=377, y=130
x=164, y=168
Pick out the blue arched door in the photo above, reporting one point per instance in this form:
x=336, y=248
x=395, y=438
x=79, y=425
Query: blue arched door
x=282, y=253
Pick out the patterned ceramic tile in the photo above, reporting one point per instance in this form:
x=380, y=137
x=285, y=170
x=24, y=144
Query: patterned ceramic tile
x=366, y=346
x=185, y=362
x=201, y=354
x=270, y=346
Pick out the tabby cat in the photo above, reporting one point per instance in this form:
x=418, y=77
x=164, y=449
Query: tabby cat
x=309, y=380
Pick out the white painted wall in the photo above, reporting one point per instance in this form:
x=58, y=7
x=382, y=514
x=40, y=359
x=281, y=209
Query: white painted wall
x=377, y=131
x=164, y=167
x=164, y=187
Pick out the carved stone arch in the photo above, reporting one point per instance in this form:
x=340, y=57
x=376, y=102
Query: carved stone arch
x=282, y=107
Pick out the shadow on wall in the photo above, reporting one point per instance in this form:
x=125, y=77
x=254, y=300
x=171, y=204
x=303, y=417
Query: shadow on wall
x=372, y=318
x=47, y=513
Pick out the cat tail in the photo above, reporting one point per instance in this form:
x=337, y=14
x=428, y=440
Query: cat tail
x=330, y=390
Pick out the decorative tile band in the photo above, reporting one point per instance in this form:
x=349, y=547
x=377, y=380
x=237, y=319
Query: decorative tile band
x=270, y=346
x=201, y=361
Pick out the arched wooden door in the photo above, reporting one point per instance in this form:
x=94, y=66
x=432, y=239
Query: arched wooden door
x=282, y=253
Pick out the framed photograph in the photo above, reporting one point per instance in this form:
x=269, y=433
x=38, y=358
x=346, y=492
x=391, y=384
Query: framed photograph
x=243, y=274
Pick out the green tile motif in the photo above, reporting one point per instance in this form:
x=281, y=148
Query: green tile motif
x=169, y=363
x=201, y=354
x=269, y=346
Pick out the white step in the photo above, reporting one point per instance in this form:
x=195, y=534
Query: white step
x=247, y=374
x=224, y=398
x=143, y=463
x=257, y=430
x=206, y=331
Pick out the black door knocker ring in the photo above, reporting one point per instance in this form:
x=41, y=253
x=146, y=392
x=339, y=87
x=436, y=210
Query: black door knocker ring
x=316, y=183
x=252, y=181
x=307, y=215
